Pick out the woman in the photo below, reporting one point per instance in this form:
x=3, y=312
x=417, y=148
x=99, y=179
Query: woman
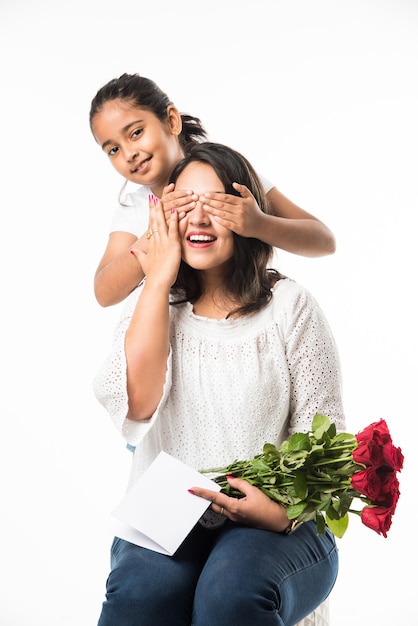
x=215, y=355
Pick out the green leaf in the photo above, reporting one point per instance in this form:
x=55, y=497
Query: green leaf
x=332, y=513
x=260, y=466
x=320, y=524
x=293, y=460
x=300, y=485
x=270, y=450
x=325, y=502
x=345, y=503
x=284, y=447
x=339, y=526
x=299, y=441
x=320, y=425
x=294, y=510
x=332, y=431
x=346, y=438
x=307, y=515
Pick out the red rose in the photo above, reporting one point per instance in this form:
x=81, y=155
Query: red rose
x=389, y=489
x=388, y=501
x=378, y=431
x=377, y=518
x=368, y=453
x=392, y=456
x=388, y=481
x=367, y=482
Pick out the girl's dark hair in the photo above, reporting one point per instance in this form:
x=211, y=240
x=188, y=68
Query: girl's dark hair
x=250, y=280
x=146, y=94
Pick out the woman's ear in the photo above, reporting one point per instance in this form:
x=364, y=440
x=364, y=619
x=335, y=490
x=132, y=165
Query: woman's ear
x=174, y=119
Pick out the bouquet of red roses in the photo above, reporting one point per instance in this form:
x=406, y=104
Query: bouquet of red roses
x=317, y=476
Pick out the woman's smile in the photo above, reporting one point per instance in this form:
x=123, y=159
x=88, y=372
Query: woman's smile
x=199, y=239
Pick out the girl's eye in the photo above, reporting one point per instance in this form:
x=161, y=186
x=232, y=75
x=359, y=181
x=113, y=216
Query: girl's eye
x=136, y=133
x=113, y=151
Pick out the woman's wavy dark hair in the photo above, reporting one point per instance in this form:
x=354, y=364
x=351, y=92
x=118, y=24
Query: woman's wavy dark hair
x=250, y=280
x=146, y=94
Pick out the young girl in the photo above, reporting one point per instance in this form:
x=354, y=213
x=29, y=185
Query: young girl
x=144, y=136
x=216, y=354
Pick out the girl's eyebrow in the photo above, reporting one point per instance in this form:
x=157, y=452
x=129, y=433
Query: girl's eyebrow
x=108, y=142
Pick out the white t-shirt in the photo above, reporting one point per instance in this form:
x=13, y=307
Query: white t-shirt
x=132, y=216
x=231, y=385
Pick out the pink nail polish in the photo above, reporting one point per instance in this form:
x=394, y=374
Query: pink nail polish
x=191, y=491
x=132, y=252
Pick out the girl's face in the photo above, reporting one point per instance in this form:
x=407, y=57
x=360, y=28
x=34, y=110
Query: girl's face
x=140, y=147
x=206, y=245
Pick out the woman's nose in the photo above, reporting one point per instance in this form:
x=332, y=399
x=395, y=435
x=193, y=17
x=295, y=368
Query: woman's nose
x=198, y=215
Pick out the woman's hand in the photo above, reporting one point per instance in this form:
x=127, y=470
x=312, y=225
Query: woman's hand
x=253, y=509
x=241, y=214
x=160, y=258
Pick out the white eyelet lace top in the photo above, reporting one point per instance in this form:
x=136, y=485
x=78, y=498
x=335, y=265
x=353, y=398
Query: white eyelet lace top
x=231, y=385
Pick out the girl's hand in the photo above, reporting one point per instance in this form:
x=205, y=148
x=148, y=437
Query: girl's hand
x=183, y=200
x=160, y=260
x=254, y=509
x=242, y=214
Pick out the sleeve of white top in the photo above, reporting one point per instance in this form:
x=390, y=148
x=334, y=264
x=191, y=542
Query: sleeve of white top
x=267, y=185
x=133, y=215
x=313, y=360
x=110, y=383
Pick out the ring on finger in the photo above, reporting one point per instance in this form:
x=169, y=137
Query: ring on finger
x=149, y=234
x=222, y=510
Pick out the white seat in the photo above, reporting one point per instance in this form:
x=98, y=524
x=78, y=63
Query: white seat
x=320, y=617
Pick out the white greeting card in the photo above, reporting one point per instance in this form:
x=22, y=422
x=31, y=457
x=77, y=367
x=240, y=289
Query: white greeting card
x=158, y=512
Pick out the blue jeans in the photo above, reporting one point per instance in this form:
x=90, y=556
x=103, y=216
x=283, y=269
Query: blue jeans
x=231, y=576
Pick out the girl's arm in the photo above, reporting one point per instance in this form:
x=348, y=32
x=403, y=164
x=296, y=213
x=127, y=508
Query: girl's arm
x=118, y=272
x=295, y=230
x=289, y=228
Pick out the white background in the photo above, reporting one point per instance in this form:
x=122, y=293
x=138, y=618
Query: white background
x=322, y=97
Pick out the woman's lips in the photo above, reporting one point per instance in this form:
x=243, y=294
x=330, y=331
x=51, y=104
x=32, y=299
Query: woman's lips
x=200, y=239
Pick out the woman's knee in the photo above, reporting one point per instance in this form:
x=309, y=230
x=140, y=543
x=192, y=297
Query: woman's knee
x=264, y=577
x=235, y=592
x=145, y=587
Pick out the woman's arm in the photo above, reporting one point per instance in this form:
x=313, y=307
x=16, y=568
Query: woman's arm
x=147, y=349
x=313, y=359
x=147, y=338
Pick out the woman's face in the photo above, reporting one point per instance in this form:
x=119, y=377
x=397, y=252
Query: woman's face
x=140, y=147
x=206, y=245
